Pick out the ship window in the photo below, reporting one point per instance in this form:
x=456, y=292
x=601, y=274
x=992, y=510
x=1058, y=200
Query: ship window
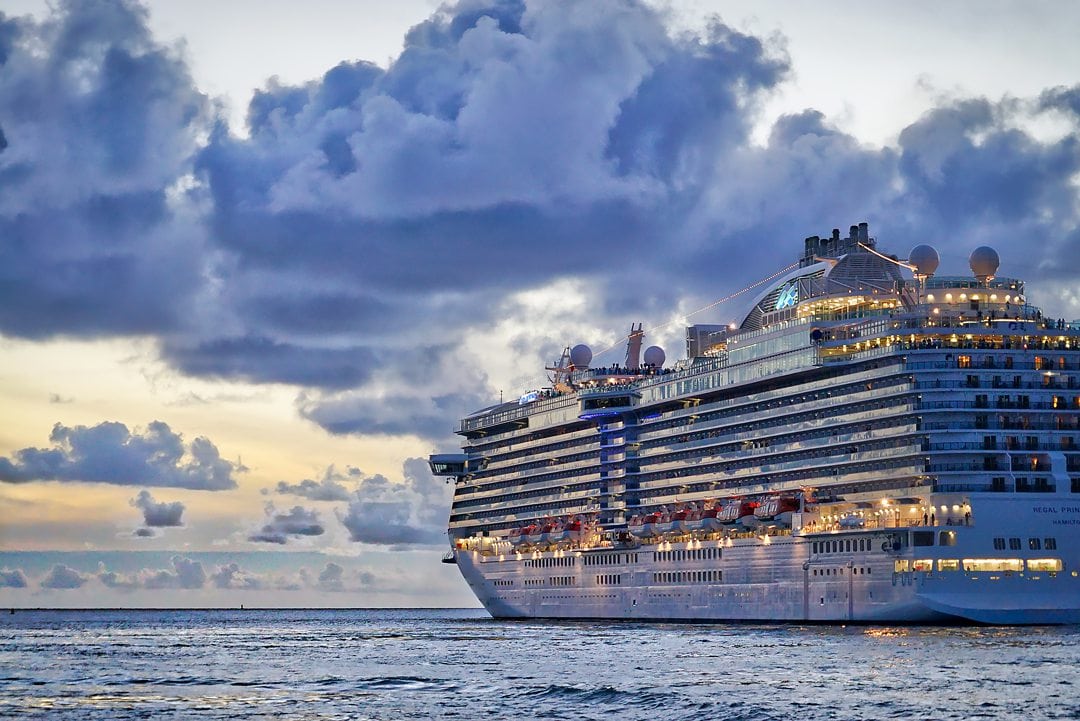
x=1034, y=544
x=901, y=565
x=993, y=564
x=922, y=564
x=1014, y=544
x=947, y=538
x=948, y=564
x=922, y=538
x=1050, y=544
x=1044, y=564
x=999, y=544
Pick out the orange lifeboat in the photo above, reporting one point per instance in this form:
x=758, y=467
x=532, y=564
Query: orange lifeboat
x=776, y=510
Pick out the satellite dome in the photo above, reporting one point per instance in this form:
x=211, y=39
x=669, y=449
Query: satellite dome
x=581, y=356
x=925, y=259
x=654, y=356
x=984, y=262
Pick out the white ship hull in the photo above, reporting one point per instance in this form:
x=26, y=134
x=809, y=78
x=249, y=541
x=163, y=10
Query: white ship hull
x=784, y=580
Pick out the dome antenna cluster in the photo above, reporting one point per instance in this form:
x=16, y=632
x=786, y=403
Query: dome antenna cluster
x=923, y=260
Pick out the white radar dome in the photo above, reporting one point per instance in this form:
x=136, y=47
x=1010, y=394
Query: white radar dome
x=654, y=356
x=925, y=259
x=581, y=355
x=984, y=262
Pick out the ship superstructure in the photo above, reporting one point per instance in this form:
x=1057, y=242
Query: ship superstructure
x=862, y=445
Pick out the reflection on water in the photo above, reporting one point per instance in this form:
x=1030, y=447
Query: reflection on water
x=461, y=664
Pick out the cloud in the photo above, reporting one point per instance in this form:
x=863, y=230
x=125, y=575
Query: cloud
x=63, y=577
x=412, y=177
x=232, y=576
x=144, y=533
x=189, y=574
x=326, y=489
x=121, y=255
x=409, y=513
x=330, y=578
x=12, y=578
x=185, y=573
x=334, y=578
x=158, y=515
x=297, y=522
x=110, y=453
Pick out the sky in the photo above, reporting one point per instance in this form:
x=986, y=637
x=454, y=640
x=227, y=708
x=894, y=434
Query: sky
x=257, y=259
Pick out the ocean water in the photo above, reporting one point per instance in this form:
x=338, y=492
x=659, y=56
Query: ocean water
x=438, y=664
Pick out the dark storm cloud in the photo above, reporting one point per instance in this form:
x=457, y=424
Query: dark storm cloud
x=398, y=514
x=110, y=453
x=12, y=578
x=264, y=360
x=297, y=522
x=391, y=415
x=158, y=515
x=99, y=122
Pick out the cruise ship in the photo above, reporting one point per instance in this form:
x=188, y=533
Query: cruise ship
x=871, y=442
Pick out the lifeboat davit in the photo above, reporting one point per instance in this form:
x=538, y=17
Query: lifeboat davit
x=676, y=522
x=709, y=520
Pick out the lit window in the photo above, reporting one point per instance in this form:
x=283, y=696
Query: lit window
x=948, y=564
x=993, y=564
x=1044, y=564
x=922, y=564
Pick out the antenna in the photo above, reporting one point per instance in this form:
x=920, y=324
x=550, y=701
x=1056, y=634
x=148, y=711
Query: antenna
x=633, y=347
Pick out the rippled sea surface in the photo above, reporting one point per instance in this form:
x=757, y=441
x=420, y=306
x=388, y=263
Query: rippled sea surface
x=462, y=664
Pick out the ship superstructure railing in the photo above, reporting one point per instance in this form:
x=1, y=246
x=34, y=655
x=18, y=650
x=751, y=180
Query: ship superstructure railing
x=732, y=417
x=655, y=427
x=511, y=486
x=514, y=412
x=513, y=448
